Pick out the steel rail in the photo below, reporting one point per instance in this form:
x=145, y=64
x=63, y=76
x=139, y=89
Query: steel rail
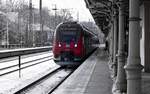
x=56, y=86
x=40, y=79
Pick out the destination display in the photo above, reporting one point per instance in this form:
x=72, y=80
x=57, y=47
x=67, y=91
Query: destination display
x=68, y=33
x=69, y=29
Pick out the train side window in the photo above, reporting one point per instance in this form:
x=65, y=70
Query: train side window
x=83, y=39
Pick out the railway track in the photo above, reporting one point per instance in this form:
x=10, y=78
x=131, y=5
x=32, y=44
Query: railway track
x=48, y=83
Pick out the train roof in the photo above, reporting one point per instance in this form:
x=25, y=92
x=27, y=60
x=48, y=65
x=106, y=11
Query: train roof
x=68, y=24
x=75, y=23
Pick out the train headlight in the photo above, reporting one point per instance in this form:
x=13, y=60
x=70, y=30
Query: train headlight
x=75, y=45
x=59, y=45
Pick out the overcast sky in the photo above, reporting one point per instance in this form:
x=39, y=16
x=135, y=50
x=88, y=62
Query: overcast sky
x=74, y=5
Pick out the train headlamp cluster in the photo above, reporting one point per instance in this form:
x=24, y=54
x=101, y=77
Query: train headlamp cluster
x=75, y=45
x=59, y=45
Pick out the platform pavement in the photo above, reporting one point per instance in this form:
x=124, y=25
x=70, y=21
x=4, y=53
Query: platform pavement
x=145, y=83
x=92, y=77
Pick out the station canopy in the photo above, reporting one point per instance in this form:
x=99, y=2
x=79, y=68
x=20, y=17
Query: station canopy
x=101, y=11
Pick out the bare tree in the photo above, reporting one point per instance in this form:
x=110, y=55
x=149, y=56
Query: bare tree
x=18, y=29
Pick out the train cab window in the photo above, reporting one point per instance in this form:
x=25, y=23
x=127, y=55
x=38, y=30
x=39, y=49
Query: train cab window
x=68, y=37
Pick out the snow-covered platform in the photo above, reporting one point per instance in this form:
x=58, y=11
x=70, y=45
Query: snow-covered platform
x=11, y=83
x=92, y=77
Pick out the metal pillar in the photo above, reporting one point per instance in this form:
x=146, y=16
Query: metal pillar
x=112, y=42
x=121, y=76
x=30, y=43
x=7, y=34
x=55, y=9
x=41, y=24
x=133, y=67
x=115, y=43
x=146, y=22
x=55, y=21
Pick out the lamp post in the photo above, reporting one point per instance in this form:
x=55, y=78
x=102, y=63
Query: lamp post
x=30, y=34
x=55, y=9
x=41, y=23
x=7, y=34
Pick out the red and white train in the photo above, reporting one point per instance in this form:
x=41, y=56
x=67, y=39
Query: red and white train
x=72, y=43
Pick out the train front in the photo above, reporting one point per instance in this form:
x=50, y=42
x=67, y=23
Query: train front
x=68, y=47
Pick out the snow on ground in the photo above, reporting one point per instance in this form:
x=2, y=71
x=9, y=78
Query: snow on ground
x=12, y=81
x=13, y=61
x=102, y=45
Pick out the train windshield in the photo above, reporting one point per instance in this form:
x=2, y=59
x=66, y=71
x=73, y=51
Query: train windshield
x=68, y=33
x=68, y=37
